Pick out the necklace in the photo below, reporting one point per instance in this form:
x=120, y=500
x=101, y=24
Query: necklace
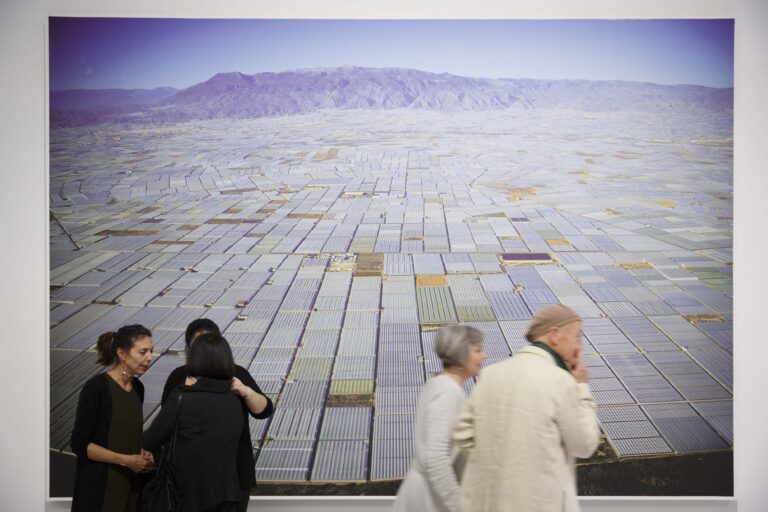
x=122, y=379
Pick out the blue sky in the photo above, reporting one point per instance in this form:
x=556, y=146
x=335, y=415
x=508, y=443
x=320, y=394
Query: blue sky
x=99, y=53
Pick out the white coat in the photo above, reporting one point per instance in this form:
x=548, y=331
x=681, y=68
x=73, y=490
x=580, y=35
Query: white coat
x=526, y=421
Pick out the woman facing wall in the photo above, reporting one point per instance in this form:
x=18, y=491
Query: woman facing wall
x=210, y=420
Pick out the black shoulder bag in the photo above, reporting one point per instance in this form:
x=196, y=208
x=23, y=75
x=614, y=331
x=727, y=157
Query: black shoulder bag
x=165, y=492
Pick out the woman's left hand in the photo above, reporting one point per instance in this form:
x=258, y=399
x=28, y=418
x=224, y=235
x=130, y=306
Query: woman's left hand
x=240, y=389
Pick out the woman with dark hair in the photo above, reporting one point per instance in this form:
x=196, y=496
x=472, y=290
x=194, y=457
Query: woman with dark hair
x=253, y=403
x=107, y=434
x=209, y=424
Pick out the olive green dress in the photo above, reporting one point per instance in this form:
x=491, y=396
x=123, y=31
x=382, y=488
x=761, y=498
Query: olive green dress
x=123, y=485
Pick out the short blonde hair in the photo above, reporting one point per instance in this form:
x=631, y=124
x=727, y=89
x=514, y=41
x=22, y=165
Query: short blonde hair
x=453, y=341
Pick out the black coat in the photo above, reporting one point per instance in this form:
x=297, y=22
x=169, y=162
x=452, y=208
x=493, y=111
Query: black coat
x=92, y=423
x=245, y=465
x=209, y=425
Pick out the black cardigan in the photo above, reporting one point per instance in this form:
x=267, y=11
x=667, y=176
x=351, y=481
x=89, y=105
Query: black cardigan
x=209, y=425
x=246, y=471
x=92, y=422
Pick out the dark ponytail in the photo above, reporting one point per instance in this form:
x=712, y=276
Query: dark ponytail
x=104, y=349
x=125, y=337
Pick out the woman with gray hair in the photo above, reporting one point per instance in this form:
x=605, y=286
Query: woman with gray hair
x=432, y=484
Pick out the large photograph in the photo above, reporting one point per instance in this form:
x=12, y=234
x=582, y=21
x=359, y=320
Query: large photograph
x=332, y=193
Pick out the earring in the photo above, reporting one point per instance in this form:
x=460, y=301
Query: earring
x=124, y=371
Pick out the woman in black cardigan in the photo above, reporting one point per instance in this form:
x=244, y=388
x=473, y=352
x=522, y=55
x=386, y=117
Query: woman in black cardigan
x=107, y=434
x=209, y=423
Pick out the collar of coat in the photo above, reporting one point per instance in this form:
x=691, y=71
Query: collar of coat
x=559, y=362
x=207, y=385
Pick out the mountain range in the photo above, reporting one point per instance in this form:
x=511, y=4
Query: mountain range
x=240, y=96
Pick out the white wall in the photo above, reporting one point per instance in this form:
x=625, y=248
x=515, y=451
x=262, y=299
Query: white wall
x=24, y=203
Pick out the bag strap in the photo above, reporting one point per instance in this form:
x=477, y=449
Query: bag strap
x=172, y=449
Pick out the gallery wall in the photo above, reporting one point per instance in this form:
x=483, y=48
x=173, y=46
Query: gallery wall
x=24, y=204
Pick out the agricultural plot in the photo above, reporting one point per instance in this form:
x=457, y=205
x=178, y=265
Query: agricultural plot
x=329, y=247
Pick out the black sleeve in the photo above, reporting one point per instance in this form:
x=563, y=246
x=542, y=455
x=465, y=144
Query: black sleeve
x=176, y=377
x=162, y=427
x=139, y=389
x=89, y=406
x=247, y=379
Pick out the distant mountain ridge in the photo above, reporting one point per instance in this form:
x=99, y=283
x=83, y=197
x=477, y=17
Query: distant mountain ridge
x=238, y=96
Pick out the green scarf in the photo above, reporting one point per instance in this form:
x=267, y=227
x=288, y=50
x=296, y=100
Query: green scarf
x=559, y=362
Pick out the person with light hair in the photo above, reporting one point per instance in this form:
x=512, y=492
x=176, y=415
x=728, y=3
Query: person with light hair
x=527, y=420
x=432, y=484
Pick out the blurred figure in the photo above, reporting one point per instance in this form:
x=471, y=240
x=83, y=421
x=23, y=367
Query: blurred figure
x=253, y=402
x=432, y=484
x=210, y=421
x=527, y=418
x=107, y=434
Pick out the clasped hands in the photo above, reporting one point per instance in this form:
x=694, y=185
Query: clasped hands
x=143, y=462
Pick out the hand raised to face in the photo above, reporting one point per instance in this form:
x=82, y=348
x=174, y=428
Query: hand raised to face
x=577, y=368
